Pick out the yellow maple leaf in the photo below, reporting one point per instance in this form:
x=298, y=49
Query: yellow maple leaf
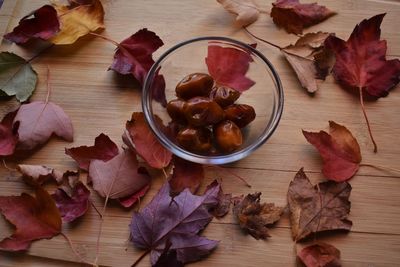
x=78, y=20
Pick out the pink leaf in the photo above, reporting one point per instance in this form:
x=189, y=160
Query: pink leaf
x=8, y=134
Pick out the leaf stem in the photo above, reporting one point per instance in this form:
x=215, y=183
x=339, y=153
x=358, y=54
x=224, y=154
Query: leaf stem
x=141, y=257
x=105, y=38
x=75, y=252
x=48, y=85
x=262, y=40
x=100, y=230
x=232, y=173
x=366, y=119
x=380, y=167
x=98, y=212
x=40, y=53
x=8, y=168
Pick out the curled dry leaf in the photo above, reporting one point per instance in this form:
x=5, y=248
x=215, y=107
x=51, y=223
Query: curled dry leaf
x=320, y=255
x=246, y=10
x=254, y=217
x=339, y=150
x=294, y=16
x=119, y=177
x=314, y=209
x=146, y=144
x=224, y=203
x=361, y=60
x=309, y=59
x=33, y=217
x=43, y=25
x=176, y=220
x=38, y=121
x=134, y=56
x=17, y=77
x=38, y=174
x=228, y=66
x=8, y=134
x=72, y=203
x=104, y=149
x=78, y=19
x=186, y=174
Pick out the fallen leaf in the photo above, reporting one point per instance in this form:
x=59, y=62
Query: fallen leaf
x=254, y=217
x=17, y=77
x=228, y=66
x=339, y=150
x=146, y=144
x=294, y=16
x=361, y=60
x=129, y=201
x=168, y=258
x=246, y=10
x=38, y=174
x=186, y=174
x=134, y=56
x=1, y=3
x=33, y=218
x=8, y=134
x=104, y=149
x=320, y=255
x=73, y=205
x=177, y=220
x=314, y=209
x=224, y=203
x=43, y=25
x=119, y=177
x=78, y=19
x=309, y=59
x=39, y=121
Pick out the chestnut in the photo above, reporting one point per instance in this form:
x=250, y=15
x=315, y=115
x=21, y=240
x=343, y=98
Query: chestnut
x=195, y=84
x=240, y=114
x=175, y=109
x=195, y=139
x=228, y=136
x=224, y=95
x=202, y=111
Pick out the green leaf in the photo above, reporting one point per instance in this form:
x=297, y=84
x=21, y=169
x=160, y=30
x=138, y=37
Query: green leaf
x=17, y=76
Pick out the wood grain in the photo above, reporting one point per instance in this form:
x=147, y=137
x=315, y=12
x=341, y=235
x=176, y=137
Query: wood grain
x=98, y=100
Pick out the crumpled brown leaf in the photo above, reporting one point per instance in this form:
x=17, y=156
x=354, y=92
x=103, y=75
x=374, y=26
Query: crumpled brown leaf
x=309, y=59
x=39, y=174
x=318, y=208
x=253, y=216
x=246, y=10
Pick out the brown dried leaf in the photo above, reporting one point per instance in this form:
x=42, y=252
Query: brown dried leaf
x=246, y=10
x=255, y=217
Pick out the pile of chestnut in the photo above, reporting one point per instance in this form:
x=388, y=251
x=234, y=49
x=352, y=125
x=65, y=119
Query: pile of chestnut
x=209, y=121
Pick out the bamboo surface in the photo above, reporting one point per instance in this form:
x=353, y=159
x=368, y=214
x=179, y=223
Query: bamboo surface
x=98, y=101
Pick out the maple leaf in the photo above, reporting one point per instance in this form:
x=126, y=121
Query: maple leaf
x=320, y=255
x=361, y=63
x=43, y=25
x=104, y=149
x=34, y=218
x=309, y=59
x=168, y=258
x=228, y=66
x=294, y=16
x=134, y=56
x=246, y=10
x=8, y=134
x=119, y=177
x=146, y=144
x=38, y=121
x=78, y=19
x=339, y=150
x=72, y=204
x=254, y=217
x=186, y=174
x=17, y=77
x=314, y=209
x=177, y=220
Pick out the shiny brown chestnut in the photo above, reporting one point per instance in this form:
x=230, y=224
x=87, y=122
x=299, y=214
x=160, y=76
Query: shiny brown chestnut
x=228, y=136
x=224, y=95
x=202, y=111
x=195, y=84
x=175, y=109
x=240, y=114
x=195, y=139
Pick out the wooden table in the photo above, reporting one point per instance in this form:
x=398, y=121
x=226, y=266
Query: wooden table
x=100, y=101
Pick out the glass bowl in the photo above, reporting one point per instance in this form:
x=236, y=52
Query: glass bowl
x=265, y=96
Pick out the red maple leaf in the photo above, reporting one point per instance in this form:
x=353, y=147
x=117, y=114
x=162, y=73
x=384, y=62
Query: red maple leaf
x=8, y=134
x=361, y=62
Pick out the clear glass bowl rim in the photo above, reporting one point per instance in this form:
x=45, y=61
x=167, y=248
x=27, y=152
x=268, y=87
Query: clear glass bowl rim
x=221, y=159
